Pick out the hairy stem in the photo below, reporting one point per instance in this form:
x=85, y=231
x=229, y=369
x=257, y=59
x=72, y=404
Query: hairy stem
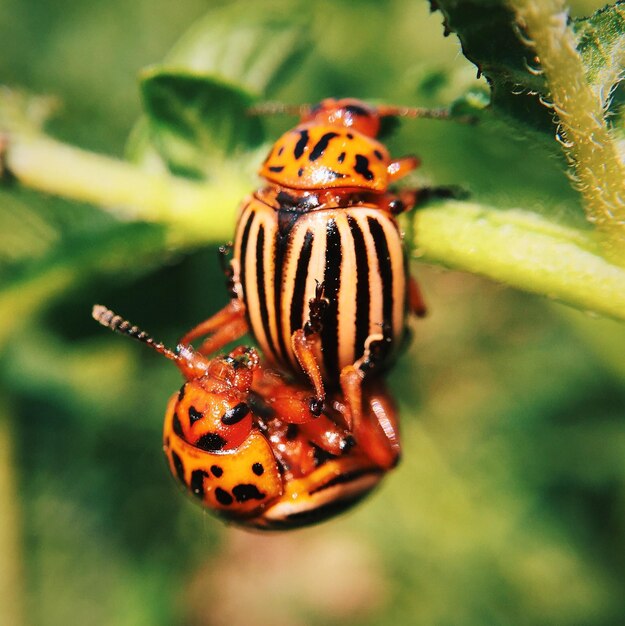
x=585, y=137
x=518, y=248
x=523, y=250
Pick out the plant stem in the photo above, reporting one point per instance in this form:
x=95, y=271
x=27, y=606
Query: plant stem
x=586, y=139
x=132, y=193
x=523, y=250
x=518, y=248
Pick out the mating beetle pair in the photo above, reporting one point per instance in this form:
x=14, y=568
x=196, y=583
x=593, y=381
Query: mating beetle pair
x=318, y=275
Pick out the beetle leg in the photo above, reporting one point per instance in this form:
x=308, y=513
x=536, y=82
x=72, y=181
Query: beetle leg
x=304, y=342
x=408, y=199
x=225, y=326
x=374, y=430
x=416, y=303
x=292, y=404
x=325, y=434
x=401, y=167
x=294, y=407
x=443, y=192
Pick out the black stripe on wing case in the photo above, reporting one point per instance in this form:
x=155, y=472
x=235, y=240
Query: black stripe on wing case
x=332, y=284
x=363, y=295
x=301, y=276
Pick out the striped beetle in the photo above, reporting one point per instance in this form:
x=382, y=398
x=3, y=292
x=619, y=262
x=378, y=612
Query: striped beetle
x=318, y=272
x=244, y=441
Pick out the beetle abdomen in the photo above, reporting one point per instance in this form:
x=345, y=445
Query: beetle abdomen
x=281, y=255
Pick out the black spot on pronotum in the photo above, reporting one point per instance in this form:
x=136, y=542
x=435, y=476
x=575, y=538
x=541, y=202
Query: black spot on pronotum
x=378, y=154
x=217, y=471
x=301, y=144
x=177, y=426
x=276, y=168
x=178, y=466
x=258, y=469
x=223, y=497
x=300, y=171
x=235, y=414
x=210, y=442
x=350, y=136
x=362, y=167
x=197, y=483
x=194, y=415
x=245, y=492
x=341, y=157
x=321, y=146
x=281, y=151
x=332, y=174
x=356, y=110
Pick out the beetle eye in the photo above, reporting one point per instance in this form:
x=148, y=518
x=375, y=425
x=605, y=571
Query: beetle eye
x=235, y=414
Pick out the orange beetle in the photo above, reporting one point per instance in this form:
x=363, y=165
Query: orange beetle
x=244, y=441
x=318, y=274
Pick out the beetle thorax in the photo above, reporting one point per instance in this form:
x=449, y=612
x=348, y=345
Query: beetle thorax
x=314, y=156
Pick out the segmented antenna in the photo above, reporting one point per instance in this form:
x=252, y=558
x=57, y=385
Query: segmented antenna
x=275, y=108
x=399, y=111
x=117, y=323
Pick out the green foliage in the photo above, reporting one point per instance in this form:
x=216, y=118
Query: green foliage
x=601, y=38
x=197, y=101
x=494, y=42
x=507, y=507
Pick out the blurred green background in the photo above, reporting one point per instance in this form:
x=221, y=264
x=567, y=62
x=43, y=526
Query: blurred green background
x=509, y=505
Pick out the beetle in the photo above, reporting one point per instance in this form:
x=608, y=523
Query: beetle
x=242, y=439
x=318, y=271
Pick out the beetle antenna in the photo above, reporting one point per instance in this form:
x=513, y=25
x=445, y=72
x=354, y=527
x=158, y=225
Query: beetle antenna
x=421, y=112
x=192, y=364
x=414, y=112
x=117, y=323
x=278, y=108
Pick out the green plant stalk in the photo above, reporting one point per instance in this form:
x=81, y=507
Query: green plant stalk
x=11, y=566
x=518, y=248
x=195, y=211
x=585, y=137
x=521, y=249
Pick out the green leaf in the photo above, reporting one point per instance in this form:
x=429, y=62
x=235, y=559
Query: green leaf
x=197, y=100
x=244, y=44
x=196, y=121
x=492, y=42
x=601, y=44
